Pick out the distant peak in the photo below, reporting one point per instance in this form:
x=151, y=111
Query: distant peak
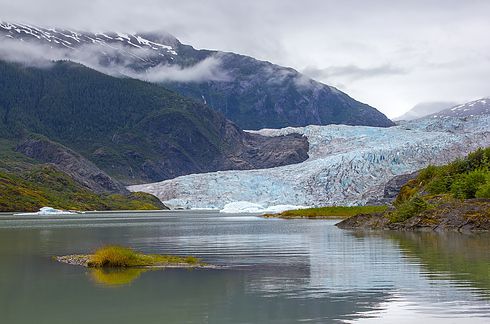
x=159, y=37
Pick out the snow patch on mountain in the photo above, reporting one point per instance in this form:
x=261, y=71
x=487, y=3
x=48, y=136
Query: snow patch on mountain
x=348, y=165
x=71, y=39
x=473, y=108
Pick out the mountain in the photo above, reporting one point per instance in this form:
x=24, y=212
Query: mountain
x=45, y=185
x=424, y=109
x=347, y=165
x=254, y=94
x=473, y=108
x=132, y=130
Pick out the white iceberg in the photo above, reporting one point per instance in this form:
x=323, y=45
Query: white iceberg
x=47, y=211
x=239, y=207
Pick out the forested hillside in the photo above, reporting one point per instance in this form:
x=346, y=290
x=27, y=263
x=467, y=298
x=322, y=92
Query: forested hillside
x=133, y=130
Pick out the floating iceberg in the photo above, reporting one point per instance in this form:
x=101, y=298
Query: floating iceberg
x=347, y=165
x=47, y=211
x=249, y=207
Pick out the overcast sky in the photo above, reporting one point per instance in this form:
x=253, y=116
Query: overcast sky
x=389, y=54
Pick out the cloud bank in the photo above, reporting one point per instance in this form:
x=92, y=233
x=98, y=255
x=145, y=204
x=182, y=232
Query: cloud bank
x=390, y=54
x=95, y=56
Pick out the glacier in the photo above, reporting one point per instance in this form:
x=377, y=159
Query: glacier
x=347, y=165
x=241, y=207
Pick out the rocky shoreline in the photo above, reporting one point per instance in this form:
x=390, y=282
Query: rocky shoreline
x=471, y=215
x=84, y=259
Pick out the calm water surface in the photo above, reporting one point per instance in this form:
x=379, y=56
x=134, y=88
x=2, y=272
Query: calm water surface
x=276, y=272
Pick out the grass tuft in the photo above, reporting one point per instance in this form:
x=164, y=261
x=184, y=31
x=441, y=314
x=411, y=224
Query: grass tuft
x=332, y=211
x=122, y=257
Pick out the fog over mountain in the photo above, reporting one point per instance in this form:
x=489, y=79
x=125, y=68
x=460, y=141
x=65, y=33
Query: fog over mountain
x=252, y=93
x=424, y=109
x=391, y=57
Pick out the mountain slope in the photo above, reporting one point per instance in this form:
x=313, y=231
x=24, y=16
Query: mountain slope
x=254, y=94
x=44, y=185
x=425, y=109
x=472, y=108
x=133, y=130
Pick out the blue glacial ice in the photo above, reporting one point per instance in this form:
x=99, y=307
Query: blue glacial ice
x=348, y=165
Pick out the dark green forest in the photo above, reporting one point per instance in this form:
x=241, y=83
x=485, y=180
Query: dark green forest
x=135, y=131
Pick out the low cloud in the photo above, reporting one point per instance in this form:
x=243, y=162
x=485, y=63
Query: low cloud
x=28, y=54
x=113, y=60
x=353, y=72
x=208, y=69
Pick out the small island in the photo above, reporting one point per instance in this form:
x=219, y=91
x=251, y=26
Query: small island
x=122, y=257
x=330, y=212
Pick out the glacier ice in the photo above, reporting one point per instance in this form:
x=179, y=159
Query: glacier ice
x=250, y=207
x=348, y=165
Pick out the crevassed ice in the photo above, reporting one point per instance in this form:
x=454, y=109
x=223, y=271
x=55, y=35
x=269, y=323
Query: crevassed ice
x=348, y=165
x=250, y=207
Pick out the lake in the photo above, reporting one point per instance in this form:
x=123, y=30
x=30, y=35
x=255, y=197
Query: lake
x=274, y=271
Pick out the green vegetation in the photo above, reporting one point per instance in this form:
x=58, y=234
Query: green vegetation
x=44, y=185
x=438, y=192
x=122, y=257
x=330, y=212
x=408, y=208
x=465, y=178
x=128, y=128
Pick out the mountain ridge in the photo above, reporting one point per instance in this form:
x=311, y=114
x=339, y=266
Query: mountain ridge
x=254, y=94
x=472, y=108
x=133, y=130
x=424, y=109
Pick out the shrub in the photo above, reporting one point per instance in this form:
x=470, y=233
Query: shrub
x=408, y=209
x=335, y=211
x=407, y=191
x=479, y=159
x=439, y=185
x=484, y=190
x=466, y=185
x=113, y=256
x=428, y=173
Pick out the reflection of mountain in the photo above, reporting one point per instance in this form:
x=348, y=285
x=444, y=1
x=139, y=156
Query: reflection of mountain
x=465, y=258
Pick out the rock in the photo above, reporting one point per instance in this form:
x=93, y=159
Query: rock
x=80, y=169
x=392, y=187
x=470, y=215
x=83, y=260
x=364, y=222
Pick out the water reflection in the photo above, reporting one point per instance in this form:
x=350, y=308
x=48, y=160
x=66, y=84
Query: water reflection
x=279, y=272
x=454, y=256
x=115, y=277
